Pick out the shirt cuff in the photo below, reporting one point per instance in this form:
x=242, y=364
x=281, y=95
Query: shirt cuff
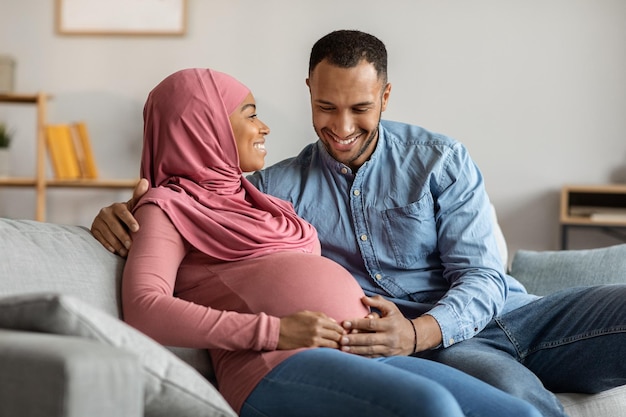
x=451, y=332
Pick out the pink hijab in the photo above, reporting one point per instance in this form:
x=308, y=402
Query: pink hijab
x=190, y=159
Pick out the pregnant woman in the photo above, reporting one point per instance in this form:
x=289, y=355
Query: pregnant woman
x=221, y=266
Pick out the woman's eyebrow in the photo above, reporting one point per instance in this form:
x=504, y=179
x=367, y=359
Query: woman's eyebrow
x=246, y=106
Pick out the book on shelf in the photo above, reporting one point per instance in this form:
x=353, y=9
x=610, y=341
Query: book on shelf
x=70, y=152
x=600, y=213
x=84, y=152
x=62, y=152
x=610, y=216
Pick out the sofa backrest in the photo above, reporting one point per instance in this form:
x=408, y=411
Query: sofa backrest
x=543, y=272
x=38, y=257
x=45, y=257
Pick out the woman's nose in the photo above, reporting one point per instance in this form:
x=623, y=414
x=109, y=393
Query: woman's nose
x=263, y=128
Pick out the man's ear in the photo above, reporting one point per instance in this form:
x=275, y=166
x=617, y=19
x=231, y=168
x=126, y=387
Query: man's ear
x=386, y=93
x=307, y=83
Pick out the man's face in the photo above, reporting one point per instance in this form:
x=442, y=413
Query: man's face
x=347, y=104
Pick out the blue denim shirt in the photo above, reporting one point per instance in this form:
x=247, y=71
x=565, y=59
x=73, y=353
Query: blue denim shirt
x=413, y=224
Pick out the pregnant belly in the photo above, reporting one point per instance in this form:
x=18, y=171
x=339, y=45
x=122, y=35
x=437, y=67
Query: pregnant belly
x=281, y=284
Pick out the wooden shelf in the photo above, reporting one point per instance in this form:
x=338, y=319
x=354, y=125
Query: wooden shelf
x=17, y=182
x=599, y=206
x=19, y=98
x=80, y=183
x=114, y=184
x=40, y=183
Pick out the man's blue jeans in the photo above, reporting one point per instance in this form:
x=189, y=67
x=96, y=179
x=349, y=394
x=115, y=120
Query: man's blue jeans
x=328, y=382
x=570, y=341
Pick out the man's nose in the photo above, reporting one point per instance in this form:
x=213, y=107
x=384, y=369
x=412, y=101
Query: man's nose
x=343, y=125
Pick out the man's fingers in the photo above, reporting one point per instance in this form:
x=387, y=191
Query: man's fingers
x=108, y=230
x=370, y=344
x=109, y=245
x=377, y=336
x=360, y=339
x=371, y=351
x=122, y=214
x=112, y=224
x=374, y=322
x=140, y=189
x=379, y=303
x=367, y=324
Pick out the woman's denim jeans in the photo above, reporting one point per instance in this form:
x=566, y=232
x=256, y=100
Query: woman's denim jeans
x=328, y=382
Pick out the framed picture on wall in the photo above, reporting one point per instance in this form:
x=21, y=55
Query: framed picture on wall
x=121, y=17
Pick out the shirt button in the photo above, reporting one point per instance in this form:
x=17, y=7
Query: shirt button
x=451, y=341
x=378, y=277
x=363, y=238
x=344, y=170
x=357, y=192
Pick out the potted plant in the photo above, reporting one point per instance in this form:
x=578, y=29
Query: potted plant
x=5, y=140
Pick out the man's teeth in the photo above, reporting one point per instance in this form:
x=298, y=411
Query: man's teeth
x=346, y=141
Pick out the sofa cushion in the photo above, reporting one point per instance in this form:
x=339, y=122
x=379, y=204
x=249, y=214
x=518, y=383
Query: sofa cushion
x=610, y=403
x=172, y=388
x=548, y=271
x=36, y=257
x=66, y=259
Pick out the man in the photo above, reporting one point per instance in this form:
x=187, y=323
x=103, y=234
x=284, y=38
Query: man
x=406, y=212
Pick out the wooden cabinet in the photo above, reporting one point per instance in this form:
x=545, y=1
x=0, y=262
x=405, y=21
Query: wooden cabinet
x=39, y=182
x=597, y=206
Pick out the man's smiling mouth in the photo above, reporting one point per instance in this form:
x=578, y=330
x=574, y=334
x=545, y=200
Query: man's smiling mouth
x=344, y=142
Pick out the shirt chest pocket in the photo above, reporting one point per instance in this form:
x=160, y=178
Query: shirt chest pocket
x=411, y=231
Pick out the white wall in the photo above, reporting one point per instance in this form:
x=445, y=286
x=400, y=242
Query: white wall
x=536, y=89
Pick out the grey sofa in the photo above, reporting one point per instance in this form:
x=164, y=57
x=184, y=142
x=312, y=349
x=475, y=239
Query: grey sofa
x=64, y=351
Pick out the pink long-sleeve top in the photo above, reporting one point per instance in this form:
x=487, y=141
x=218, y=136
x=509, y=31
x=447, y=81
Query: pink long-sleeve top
x=182, y=297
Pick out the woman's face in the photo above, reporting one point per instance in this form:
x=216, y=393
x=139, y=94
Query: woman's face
x=249, y=133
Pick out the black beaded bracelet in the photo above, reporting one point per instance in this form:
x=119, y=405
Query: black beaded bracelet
x=414, y=336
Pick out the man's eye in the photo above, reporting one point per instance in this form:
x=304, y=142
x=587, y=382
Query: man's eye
x=361, y=109
x=322, y=108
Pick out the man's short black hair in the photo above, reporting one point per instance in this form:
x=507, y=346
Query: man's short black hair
x=347, y=48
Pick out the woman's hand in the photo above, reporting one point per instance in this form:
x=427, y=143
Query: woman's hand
x=309, y=329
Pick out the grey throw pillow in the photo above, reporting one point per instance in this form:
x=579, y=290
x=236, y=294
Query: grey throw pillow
x=543, y=272
x=172, y=388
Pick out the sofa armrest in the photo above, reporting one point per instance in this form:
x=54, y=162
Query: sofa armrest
x=53, y=376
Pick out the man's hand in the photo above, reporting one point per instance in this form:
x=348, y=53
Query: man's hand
x=112, y=224
x=389, y=335
x=309, y=329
